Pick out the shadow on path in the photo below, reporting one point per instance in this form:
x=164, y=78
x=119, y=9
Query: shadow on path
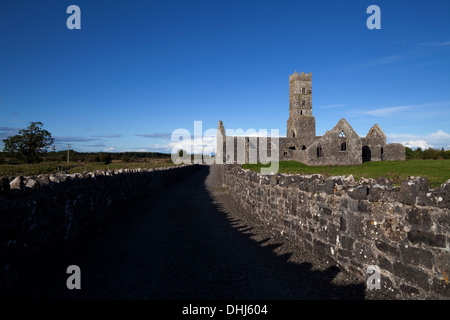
x=180, y=244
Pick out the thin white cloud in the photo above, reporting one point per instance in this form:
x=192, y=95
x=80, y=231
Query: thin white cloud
x=62, y=139
x=155, y=135
x=115, y=135
x=436, y=140
x=382, y=61
x=9, y=129
x=152, y=148
x=405, y=109
x=383, y=112
x=436, y=43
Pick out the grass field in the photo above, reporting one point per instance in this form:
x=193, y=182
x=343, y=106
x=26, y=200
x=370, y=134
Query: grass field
x=92, y=166
x=54, y=167
x=437, y=171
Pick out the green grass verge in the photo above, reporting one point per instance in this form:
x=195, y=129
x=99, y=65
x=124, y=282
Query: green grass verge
x=54, y=167
x=32, y=169
x=437, y=171
x=115, y=166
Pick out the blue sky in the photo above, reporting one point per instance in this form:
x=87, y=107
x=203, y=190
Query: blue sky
x=137, y=70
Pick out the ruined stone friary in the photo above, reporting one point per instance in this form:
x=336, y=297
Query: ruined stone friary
x=338, y=146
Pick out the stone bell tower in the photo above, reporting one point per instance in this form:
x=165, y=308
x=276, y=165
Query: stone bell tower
x=301, y=123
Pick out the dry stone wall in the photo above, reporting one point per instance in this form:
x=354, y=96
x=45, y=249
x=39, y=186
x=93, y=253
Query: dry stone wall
x=40, y=212
x=403, y=230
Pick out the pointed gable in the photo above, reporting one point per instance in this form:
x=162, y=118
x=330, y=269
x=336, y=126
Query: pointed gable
x=376, y=135
x=375, y=131
x=342, y=128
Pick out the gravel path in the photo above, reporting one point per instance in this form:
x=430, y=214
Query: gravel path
x=190, y=242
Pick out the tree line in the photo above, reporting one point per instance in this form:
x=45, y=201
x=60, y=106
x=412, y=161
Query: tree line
x=84, y=157
x=429, y=153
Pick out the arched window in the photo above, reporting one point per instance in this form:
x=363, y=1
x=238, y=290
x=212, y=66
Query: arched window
x=342, y=134
x=303, y=147
x=303, y=90
x=344, y=146
x=319, y=151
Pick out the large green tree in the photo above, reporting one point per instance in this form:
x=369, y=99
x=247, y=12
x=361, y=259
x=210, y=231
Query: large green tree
x=29, y=143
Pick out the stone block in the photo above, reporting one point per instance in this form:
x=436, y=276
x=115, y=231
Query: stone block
x=409, y=189
x=388, y=249
x=17, y=183
x=384, y=263
x=308, y=246
x=325, y=210
x=283, y=181
x=32, y=184
x=417, y=256
x=320, y=249
x=295, y=179
x=409, y=290
x=441, y=287
x=43, y=180
x=338, y=180
x=326, y=187
x=412, y=274
x=418, y=216
x=399, y=209
x=311, y=186
x=343, y=205
x=321, y=187
x=333, y=234
x=342, y=224
x=428, y=238
x=359, y=192
x=347, y=243
x=444, y=220
x=385, y=182
x=274, y=180
x=364, y=206
x=349, y=180
x=344, y=253
x=425, y=198
x=353, y=206
x=376, y=193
